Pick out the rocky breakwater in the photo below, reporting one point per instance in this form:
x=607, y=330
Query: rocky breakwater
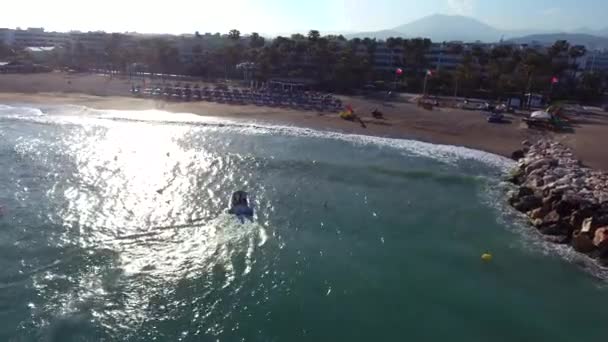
x=564, y=200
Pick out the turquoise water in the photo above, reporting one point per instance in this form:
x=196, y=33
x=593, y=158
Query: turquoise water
x=113, y=228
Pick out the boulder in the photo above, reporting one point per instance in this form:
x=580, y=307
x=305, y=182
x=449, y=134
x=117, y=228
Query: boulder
x=567, y=205
x=555, y=229
x=537, y=213
x=552, y=218
x=517, y=155
x=539, y=164
x=528, y=203
x=582, y=242
x=537, y=223
x=517, y=177
x=600, y=239
x=576, y=219
x=534, y=182
x=587, y=225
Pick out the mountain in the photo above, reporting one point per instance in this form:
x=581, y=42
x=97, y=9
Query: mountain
x=586, y=30
x=589, y=41
x=440, y=27
x=603, y=32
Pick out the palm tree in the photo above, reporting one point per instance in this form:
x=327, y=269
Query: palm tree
x=314, y=35
x=559, y=48
x=256, y=41
x=234, y=34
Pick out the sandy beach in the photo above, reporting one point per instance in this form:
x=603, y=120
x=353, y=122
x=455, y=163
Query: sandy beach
x=451, y=126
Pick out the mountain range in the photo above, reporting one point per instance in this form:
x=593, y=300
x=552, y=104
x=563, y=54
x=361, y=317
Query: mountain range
x=441, y=28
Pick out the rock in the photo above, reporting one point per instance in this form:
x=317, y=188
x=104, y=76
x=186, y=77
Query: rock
x=562, y=197
x=576, y=219
x=534, y=182
x=517, y=155
x=549, y=179
x=600, y=239
x=555, y=229
x=552, y=218
x=539, y=164
x=517, y=177
x=586, y=226
x=566, y=206
x=528, y=203
x=537, y=213
x=537, y=223
x=582, y=242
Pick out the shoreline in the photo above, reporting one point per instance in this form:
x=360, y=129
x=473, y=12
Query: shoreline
x=245, y=114
x=403, y=120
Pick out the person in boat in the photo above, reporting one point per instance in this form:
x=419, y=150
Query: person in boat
x=239, y=206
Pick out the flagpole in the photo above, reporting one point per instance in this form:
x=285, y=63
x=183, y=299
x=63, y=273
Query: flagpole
x=426, y=77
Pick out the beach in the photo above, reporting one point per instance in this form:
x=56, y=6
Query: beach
x=402, y=119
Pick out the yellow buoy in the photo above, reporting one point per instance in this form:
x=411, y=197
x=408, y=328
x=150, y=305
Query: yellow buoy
x=487, y=257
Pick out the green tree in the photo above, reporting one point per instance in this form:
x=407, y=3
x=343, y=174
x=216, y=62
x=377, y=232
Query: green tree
x=234, y=35
x=256, y=41
x=314, y=35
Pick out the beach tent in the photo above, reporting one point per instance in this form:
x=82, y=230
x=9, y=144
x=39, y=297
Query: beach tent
x=541, y=115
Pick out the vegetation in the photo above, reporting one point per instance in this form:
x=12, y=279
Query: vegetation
x=337, y=64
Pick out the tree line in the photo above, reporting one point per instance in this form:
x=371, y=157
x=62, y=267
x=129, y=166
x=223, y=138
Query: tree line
x=335, y=63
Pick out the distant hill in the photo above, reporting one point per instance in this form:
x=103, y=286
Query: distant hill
x=440, y=27
x=585, y=30
x=589, y=41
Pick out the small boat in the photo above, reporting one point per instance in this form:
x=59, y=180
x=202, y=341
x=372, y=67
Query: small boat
x=239, y=206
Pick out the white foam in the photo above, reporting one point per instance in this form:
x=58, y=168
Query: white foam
x=531, y=239
x=72, y=114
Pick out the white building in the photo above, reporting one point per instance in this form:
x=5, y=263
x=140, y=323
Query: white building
x=7, y=36
x=596, y=60
x=95, y=42
x=191, y=50
x=33, y=37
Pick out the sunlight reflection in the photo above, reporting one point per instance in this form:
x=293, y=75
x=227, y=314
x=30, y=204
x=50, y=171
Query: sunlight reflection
x=129, y=180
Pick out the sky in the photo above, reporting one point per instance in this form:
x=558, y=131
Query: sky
x=286, y=16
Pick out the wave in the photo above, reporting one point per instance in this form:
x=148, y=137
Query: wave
x=73, y=114
x=531, y=239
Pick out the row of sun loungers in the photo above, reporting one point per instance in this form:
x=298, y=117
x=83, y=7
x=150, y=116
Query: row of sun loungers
x=296, y=100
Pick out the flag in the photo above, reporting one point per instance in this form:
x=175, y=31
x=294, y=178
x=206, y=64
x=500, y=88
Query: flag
x=554, y=80
x=399, y=71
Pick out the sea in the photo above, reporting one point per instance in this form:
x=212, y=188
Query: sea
x=114, y=227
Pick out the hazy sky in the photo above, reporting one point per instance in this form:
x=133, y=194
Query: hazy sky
x=281, y=16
